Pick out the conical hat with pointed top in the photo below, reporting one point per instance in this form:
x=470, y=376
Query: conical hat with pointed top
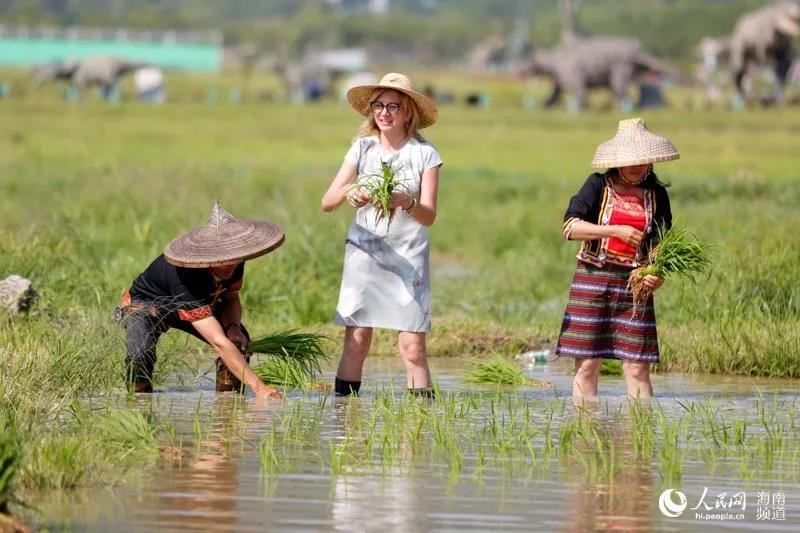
x=224, y=240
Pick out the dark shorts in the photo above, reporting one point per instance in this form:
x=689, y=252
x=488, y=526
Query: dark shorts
x=599, y=320
x=143, y=329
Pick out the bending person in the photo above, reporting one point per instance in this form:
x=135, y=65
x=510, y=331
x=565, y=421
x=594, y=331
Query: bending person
x=194, y=286
x=385, y=280
x=617, y=215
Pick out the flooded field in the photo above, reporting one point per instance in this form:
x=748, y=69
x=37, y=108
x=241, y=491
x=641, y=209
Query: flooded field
x=475, y=459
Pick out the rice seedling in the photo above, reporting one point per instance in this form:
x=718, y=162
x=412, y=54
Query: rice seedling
x=286, y=373
x=678, y=254
x=671, y=455
x=497, y=371
x=268, y=458
x=379, y=186
x=197, y=425
x=304, y=350
x=337, y=456
x=643, y=428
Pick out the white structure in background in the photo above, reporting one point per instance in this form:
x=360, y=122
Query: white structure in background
x=149, y=82
x=376, y=7
x=360, y=78
x=380, y=7
x=340, y=59
x=709, y=70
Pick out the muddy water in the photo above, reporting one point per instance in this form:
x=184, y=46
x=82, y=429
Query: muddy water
x=219, y=485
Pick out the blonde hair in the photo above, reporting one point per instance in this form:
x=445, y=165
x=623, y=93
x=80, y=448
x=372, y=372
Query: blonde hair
x=369, y=127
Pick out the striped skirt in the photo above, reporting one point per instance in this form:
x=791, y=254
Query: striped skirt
x=599, y=320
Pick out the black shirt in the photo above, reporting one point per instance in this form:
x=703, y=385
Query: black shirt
x=184, y=293
x=588, y=203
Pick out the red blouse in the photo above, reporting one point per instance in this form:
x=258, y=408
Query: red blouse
x=628, y=211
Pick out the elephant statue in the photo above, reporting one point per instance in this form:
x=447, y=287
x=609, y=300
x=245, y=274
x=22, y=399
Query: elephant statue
x=582, y=61
x=595, y=61
x=103, y=71
x=58, y=71
x=764, y=37
x=98, y=71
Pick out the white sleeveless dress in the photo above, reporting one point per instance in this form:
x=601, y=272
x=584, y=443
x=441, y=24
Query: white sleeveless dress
x=386, y=278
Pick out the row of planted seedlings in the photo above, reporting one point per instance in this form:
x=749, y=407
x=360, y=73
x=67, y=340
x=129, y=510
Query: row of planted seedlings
x=511, y=435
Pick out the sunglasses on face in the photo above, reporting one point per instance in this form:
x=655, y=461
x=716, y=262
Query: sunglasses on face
x=377, y=107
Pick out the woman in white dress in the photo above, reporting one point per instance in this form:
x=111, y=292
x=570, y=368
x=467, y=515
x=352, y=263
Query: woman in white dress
x=385, y=280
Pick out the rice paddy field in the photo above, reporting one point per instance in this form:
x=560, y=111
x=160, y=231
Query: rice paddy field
x=90, y=192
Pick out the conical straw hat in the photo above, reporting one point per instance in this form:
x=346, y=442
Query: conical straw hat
x=634, y=144
x=359, y=97
x=224, y=240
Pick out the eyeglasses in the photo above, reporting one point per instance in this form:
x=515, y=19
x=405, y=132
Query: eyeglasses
x=377, y=107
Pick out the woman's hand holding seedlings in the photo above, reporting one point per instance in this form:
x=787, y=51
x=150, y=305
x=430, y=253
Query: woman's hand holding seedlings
x=401, y=199
x=357, y=197
x=653, y=282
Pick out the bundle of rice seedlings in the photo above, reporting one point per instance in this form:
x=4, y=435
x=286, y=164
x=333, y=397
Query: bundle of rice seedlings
x=496, y=371
x=287, y=373
x=380, y=186
x=303, y=350
x=678, y=254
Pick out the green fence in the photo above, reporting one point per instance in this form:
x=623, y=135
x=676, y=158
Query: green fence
x=22, y=52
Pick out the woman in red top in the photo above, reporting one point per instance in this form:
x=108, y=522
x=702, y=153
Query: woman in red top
x=617, y=215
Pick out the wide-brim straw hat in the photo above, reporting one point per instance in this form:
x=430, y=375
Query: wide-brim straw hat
x=634, y=144
x=359, y=97
x=224, y=240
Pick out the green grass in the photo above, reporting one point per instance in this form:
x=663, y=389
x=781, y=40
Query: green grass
x=9, y=464
x=611, y=367
x=127, y=430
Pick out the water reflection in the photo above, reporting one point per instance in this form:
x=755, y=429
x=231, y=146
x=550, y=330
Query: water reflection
x=201, y=494
x=388, y=503
x=623, y=504
x=391, y=504
x=617, y=495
